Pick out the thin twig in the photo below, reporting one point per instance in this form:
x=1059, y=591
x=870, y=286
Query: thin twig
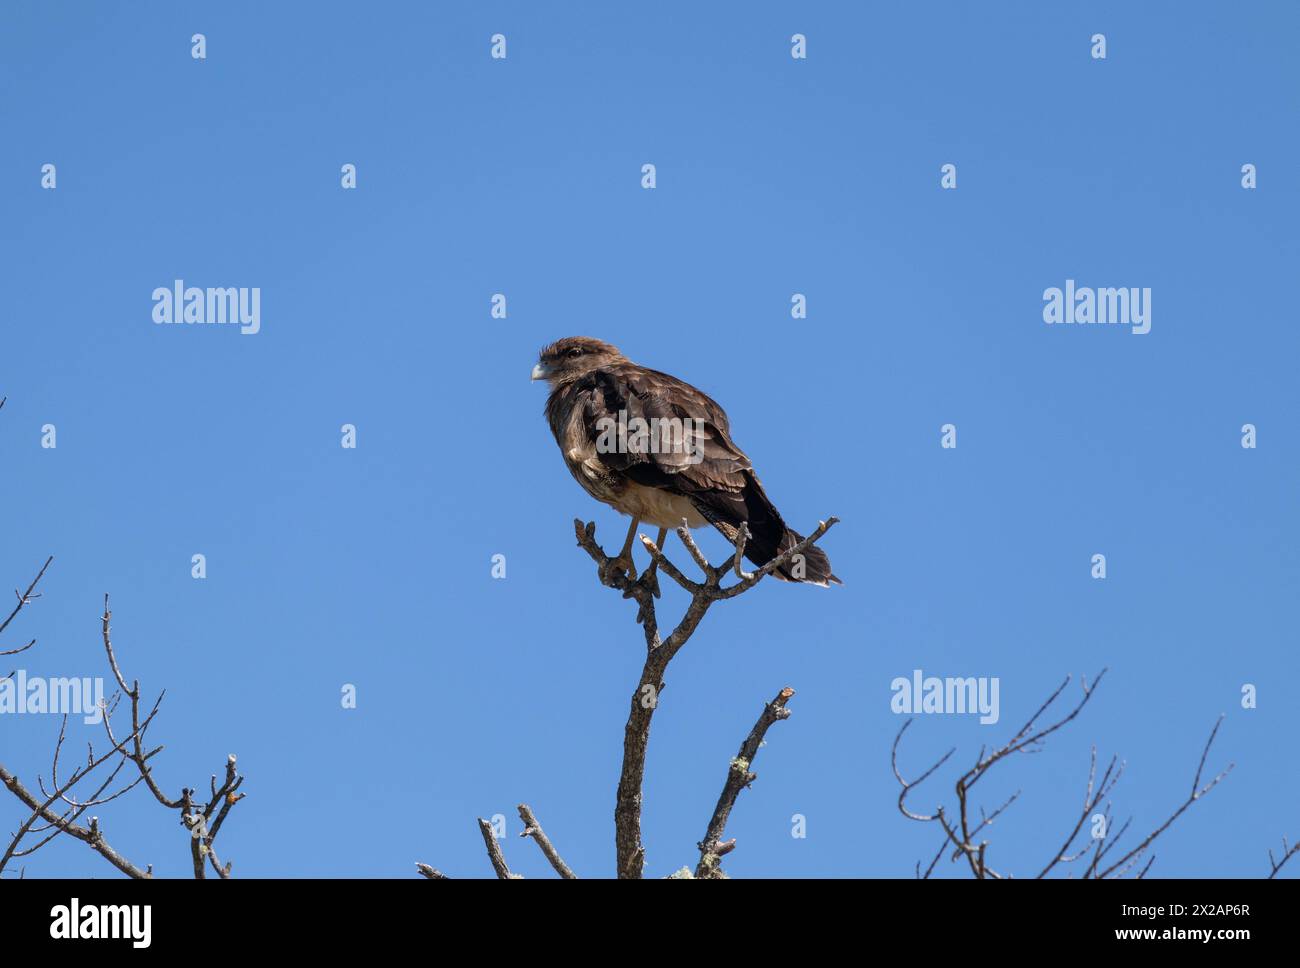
x=1287, y=854
x=534, y=829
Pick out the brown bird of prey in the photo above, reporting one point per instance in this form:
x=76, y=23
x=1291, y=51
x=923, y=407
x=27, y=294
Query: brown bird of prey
x=660, y=451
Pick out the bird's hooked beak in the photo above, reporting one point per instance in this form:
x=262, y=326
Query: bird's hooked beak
x=541, y=371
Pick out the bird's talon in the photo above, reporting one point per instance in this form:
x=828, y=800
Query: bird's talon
x=616, y=568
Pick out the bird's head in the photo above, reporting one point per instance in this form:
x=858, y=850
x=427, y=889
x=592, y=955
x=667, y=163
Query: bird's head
x=574, y=357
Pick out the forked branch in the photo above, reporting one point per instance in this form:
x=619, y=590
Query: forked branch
x=961, y=830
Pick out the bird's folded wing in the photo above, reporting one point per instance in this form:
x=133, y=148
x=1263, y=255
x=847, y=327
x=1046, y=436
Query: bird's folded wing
x=687, y=449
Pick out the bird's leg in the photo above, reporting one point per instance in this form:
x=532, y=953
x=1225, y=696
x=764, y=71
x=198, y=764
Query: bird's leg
x=623, y=562
x=742, y=538
x=626, y=553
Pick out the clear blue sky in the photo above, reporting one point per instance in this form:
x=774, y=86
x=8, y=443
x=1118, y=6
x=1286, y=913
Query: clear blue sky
x=372, y=566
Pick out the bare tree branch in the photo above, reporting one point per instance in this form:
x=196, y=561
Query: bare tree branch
x=46, y=819
x=1287, y=854
x=495, y=855
x=133, y=693
x=1093, y=795
x=961, y=832
x=1197, y=792
x=23, y=599
x=738, y=778
x=630, y=852
x=91, y=835
x=534, y=829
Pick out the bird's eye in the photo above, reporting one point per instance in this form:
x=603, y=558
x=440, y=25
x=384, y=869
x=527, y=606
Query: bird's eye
x=575, y=352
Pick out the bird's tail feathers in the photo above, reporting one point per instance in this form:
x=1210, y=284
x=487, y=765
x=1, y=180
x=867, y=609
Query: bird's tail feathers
x=769, y=537
x=811, y=565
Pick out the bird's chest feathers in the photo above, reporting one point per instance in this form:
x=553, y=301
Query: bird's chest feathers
x=649, y=504
x=585, y=464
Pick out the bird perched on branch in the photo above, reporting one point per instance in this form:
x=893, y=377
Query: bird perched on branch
x=660, y=451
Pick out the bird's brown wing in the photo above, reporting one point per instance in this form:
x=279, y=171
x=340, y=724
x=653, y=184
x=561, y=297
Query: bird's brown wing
x=709, y=469
x=705, y=461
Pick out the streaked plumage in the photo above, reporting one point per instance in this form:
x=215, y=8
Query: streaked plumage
x=707, y=479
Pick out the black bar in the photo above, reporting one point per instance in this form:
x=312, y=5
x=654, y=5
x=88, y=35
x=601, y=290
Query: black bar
x=328, y=916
